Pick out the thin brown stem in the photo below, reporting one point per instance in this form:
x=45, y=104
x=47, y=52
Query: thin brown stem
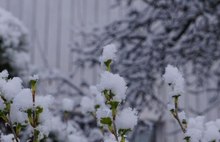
x=115, y=131
x=12, y=129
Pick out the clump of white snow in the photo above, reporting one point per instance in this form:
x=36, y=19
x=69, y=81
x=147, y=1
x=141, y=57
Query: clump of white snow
x=98, y=97
x=34, y=77
x=109, y=53
x=87, y=104
x=7, y=138
x=4, y=74
x=195, y=127
x=11, y=88
x=175, y=80
x=127, y=119
x=103, y=112
x=211, y=132
x=115, y=83
x=182, y=116
x=67, y=104
x=21, y=102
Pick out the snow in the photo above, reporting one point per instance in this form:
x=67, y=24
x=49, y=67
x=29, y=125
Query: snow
x=182, y=116
x=7, y=138
x=99, y=100
x=127, y=119
x=115, y=83
x=14, y=43
x=103, y=112
x=11, y=88
x=34, y=77
x=76, y=138
x=93, y=90
x=4, y=74
x=170, y=106
x=109, y=53
x=200, y=131
x=111, y=138
x=87, y=104
x=11, y=29
x=44, y=101
x=211, y=132
x=174, y=79
x=67, y=104
x=98, y=97
x=195, y=127
x=21, y=103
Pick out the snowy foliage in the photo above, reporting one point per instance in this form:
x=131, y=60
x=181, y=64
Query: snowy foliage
x=194, y=129
x=13, y=45
x=22, y=109
x=107, y=98
x=115, y=83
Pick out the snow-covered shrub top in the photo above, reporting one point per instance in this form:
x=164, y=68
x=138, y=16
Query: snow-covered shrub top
x=21, y=108
x=115, y=83
x=13, y=43
x=194, y=129
x=106, y=99
x=174, y=78
x=12, y=32
x=109, y=53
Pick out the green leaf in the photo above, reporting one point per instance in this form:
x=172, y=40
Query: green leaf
x=123, y=132
x=114, y=106
x=187, y=139
x=122, y=138
x=3, y=116
x=30, y=119
x=97, y=106
x=33, y=84
x=108, y=64
x=106, y=121
x=39, y=109
x=18, y=128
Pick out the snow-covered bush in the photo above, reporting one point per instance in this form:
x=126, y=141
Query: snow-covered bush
x=108, y=96
x=24, y=112
x=194, y=129
x=13, y=45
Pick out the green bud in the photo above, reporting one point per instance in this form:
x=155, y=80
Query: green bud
x=108, y=64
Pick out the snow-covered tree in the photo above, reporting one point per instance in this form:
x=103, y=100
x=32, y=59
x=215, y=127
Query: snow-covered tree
x=13, y=45
x=155, y=33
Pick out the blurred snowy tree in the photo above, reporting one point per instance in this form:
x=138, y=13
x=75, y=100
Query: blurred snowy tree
x=159, y=32
x=13, y=45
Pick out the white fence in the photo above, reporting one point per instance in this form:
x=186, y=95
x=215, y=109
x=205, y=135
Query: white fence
x=53, y=24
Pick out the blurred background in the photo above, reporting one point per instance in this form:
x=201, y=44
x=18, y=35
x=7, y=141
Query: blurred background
x=62, y=42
